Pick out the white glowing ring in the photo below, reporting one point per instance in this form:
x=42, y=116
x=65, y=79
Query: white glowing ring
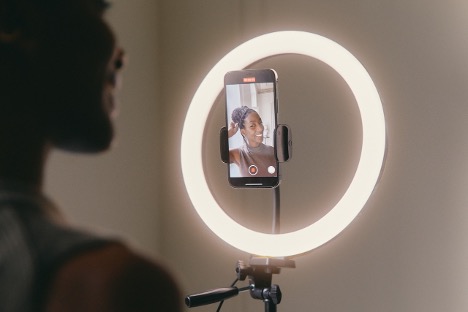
x=368, y=169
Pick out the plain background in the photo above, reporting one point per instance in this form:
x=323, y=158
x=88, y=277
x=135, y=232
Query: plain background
x=407, y=250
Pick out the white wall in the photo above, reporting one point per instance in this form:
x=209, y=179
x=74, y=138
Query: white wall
x=406, y=251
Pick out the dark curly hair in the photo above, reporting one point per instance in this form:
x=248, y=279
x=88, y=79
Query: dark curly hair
x=239, y=114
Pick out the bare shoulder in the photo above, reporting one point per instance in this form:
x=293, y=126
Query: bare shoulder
x=113, y=278
x=234, y=155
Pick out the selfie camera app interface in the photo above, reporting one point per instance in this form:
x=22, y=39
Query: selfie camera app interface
x=251, y=121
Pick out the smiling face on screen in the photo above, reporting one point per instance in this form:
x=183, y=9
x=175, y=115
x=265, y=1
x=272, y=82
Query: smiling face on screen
x=252, y=129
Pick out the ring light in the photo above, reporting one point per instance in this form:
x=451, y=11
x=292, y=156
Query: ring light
x=368, y=169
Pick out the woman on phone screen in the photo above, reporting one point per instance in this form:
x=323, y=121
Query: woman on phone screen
x=253, y=157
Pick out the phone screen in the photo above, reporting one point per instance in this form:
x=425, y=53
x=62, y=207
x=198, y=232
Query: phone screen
x=251, y=119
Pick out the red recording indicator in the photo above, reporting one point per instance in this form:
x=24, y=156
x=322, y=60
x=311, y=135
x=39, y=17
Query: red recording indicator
x=253, y=170
x=249, y=79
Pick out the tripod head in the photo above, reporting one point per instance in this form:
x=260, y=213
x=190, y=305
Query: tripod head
x=260, y=273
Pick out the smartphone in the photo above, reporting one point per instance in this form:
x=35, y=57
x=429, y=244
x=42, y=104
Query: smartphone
x=251, y=120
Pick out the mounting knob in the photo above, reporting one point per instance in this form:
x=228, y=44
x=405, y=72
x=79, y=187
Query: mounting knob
x=273, y=294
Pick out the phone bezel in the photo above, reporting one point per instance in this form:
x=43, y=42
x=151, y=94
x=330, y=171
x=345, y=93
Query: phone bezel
x=261, y=75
